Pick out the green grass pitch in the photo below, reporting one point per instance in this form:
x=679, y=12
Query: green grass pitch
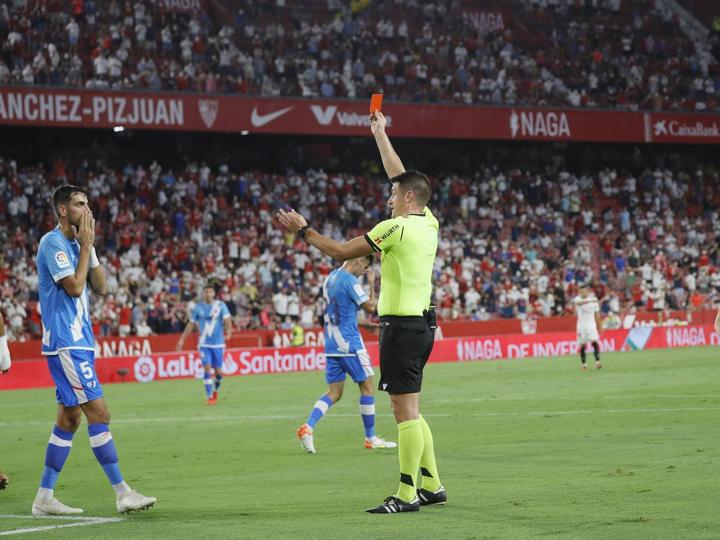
x=526, y=448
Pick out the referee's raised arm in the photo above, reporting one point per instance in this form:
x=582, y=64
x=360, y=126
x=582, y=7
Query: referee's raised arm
x=390, y=160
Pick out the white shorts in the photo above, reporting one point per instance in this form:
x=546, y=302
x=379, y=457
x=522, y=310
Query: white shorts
x=587, y=334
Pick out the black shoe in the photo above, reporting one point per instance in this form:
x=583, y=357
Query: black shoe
x=393, y=505
x=429, y=498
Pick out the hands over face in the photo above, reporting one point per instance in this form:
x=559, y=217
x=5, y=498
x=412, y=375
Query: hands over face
x=85, y=234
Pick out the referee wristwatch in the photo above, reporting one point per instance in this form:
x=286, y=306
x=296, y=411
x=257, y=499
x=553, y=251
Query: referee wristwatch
x=302, y=230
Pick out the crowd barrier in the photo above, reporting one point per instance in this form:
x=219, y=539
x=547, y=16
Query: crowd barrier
x=255, y=361
x=135, y=346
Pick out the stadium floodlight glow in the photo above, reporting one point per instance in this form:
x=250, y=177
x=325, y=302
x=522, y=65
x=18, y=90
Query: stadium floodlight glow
x=244, y=132
x=118, y=129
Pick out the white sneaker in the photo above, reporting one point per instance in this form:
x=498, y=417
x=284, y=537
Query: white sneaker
x=377, y=442
x=132, y=501
x=305, y=435
x=53, y=507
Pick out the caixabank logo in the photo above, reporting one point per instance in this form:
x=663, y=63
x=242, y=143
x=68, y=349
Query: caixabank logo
x=676, y=128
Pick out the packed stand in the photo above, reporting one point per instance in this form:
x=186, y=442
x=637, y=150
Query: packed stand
x=623, y=54
x=617, y=53
x=514, y=243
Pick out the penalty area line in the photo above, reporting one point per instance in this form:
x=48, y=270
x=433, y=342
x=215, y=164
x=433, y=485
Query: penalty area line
x=79, y=521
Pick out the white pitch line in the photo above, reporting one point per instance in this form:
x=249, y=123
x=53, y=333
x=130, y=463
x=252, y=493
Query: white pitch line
x=240, y=418
x=79, y=522
x=583, y=398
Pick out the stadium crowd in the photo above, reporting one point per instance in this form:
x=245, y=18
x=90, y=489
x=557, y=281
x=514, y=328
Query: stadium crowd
x=515, y=242
x=604, y=53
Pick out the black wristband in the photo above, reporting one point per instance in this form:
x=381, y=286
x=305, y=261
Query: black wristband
x=302, y=230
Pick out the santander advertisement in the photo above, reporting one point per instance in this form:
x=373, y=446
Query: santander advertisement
x=146, y=368
x=210, y=112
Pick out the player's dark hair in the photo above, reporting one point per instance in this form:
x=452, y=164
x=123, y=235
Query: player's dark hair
x=370, y=259
x=61, y=196
x=416, y=182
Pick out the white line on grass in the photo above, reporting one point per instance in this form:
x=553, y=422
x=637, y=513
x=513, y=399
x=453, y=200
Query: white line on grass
x=557, y=398
x=240, y=418
x=79, y=522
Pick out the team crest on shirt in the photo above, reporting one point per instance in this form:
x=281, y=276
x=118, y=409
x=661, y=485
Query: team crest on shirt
x=61, y=259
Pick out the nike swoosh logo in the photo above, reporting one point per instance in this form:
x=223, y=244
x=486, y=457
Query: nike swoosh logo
x=259, y=120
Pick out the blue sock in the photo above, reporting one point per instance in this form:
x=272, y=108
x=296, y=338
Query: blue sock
x=367, y=411
x=208, y=384
x=58, y=449
x=321, y=407
x=103, y=447
x=218, y=380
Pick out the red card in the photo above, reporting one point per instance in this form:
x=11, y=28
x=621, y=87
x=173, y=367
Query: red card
x=376, y=103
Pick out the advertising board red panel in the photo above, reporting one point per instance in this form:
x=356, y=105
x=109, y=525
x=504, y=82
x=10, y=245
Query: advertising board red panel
x=132, y=345
x=186, y=364
x=198, y=112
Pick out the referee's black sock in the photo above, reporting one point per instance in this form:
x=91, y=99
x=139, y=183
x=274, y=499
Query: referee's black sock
x=582, y=353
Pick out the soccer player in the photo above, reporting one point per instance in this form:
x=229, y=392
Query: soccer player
x=5, y=364
x=66, y=265
x=408, y=243
x=345, y=351
x=212, y=318
x=587, y=308
x=5, y=361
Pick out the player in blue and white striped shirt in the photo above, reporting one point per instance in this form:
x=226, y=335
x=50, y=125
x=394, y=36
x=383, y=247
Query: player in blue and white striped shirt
x=66, y=265
x=213, y=320
x=345, y=351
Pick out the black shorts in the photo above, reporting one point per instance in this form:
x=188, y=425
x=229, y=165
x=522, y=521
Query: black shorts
x=405, y=346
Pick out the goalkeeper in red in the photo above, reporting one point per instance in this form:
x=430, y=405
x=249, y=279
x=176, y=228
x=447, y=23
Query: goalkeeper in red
x=408, y=243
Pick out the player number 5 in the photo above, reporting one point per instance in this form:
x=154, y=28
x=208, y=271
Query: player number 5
x=86, y=370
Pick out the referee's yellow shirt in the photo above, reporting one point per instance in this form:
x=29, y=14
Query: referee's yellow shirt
x=408, y=245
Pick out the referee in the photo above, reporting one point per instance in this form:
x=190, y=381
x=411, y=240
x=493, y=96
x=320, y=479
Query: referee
x=408, y=243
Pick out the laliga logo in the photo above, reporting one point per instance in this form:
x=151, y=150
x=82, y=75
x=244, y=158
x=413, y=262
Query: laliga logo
x=208, y=110
x=144, y=369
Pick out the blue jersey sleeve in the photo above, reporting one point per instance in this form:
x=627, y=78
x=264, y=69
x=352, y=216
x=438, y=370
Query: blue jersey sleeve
x=195, y=315
x=355, y=291
x=56, y=258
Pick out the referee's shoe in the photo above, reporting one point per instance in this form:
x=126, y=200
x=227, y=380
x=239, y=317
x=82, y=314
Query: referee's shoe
x=431, y=498
x=393, y=505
